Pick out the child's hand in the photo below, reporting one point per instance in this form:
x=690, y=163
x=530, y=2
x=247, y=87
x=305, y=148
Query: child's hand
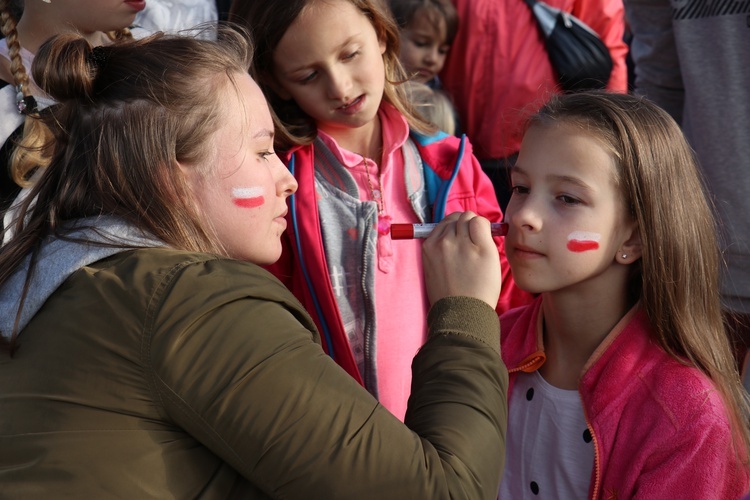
x=460, y=258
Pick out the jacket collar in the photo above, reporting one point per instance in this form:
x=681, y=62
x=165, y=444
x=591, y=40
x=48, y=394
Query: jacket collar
x=86, y=241
x=624, y=355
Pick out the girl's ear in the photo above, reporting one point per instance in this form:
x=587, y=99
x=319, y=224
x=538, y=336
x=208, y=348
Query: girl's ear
x=382, y=45
x=631, y=249
x=194, y=182
x=190, y=175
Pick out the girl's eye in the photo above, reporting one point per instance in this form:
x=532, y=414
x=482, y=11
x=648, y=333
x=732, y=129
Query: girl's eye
x=265, y=154
x=568, y=200
x=443, y=50
x=308, y=78
x=519, y=190
x=352, y=55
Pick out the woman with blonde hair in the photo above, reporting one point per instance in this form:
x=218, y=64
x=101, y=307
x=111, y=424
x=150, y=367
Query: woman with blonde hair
x=147, y=353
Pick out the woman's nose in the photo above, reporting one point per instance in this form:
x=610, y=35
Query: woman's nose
x=286, y=184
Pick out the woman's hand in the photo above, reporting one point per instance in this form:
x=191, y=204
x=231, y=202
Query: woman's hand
x=460, y=258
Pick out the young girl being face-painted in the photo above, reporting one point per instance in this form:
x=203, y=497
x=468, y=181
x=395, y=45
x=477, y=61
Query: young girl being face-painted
x=610, y=225
x=568, y=222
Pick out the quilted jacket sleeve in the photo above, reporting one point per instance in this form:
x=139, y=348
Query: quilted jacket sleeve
x=235, y=362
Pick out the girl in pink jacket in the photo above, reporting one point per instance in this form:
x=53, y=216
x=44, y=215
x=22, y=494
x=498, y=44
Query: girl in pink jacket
x=622, y=380
x=362, y=158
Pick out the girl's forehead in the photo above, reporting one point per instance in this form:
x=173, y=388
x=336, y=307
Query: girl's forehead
x=328, y=18
x=429, y=17
x=316, y=8
x=327, y=25
x=566, y=148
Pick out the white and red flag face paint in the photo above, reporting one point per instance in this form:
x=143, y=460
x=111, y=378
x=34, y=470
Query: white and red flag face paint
x=251, y=197
x=583, y=241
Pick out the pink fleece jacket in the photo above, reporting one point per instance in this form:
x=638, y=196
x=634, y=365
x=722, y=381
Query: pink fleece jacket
x=660, y=427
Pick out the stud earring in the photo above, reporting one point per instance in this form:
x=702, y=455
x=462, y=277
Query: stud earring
x=624, y=256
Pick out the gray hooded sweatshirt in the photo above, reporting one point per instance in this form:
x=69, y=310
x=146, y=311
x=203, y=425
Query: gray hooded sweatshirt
x=58, y=259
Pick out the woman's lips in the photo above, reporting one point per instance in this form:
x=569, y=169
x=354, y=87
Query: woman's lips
x=138, y=5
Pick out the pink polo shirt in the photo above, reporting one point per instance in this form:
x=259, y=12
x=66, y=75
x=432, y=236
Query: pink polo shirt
x=400, y=297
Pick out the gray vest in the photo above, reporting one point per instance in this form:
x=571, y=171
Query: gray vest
x=352, y=261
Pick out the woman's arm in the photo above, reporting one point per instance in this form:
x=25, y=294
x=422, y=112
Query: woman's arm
x=235, y=363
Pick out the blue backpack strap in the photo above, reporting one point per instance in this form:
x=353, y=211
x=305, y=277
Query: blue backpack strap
x=437, y=187
x=426, y=140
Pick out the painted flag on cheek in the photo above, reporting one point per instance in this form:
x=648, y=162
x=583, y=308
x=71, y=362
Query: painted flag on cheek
x=583, y=241
x=251, y=197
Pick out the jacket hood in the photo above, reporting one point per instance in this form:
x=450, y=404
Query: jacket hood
x=58, y=258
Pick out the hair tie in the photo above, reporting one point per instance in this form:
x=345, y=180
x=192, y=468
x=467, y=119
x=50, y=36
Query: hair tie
x=98, y=57
x=26, y=104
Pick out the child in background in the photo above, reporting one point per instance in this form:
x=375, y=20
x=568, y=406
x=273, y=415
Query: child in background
x=622, y=380
x=434, y=105
x=428, y=28
x=362, y=158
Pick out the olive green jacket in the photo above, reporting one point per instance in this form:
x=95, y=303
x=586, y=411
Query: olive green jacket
x=156, y=373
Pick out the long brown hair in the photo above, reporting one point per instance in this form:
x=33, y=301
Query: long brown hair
x=127, y=114
x=268, y=21
x=677, y=278
x=26, y=160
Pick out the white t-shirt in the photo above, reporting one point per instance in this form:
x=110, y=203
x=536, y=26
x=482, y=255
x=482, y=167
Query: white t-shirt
x=549, y=449
x=173, y=16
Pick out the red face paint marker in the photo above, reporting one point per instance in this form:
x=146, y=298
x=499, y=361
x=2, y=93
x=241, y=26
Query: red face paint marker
x=248, y=197
x=414, y=231
x=583, y=241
